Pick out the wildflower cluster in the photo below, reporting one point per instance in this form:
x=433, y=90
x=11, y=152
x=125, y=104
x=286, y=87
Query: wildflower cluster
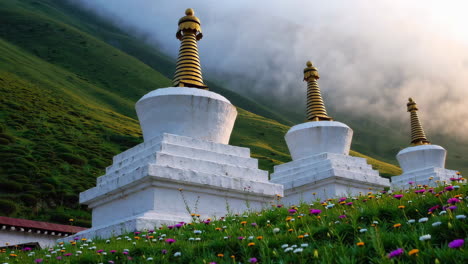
x=414, y=225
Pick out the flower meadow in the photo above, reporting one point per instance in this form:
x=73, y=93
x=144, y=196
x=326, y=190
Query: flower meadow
x=418, y=225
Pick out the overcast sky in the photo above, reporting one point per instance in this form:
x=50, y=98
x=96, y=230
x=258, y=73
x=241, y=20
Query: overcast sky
x=371, y=55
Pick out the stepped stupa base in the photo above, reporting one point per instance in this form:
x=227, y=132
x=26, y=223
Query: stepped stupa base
x=326, y=175
x=423, y=165
x=164, y=180
x=431, y=176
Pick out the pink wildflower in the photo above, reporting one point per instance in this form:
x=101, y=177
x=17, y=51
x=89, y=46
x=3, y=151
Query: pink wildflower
x=395, y=253
x=457, y=243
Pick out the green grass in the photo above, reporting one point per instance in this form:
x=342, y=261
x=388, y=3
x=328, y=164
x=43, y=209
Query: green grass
x=377, y=220
x=67, y=107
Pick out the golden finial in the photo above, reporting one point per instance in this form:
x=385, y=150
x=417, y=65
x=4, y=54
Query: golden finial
x=418, y=137
x=315, y=107
x=188, y=69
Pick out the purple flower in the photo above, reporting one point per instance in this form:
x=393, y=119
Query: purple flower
x=76, y=238
x=240, y=238
x=395, y=253
x=342, y=199
x=398, y=196
x=411, y=182
x=253, y=260
x=433, y=208
x=213, y=262
x=254, y=224
x=111, y=262
x=38, y=260
x=453, y=201
x=137, y=233
x=342, y=216
x=292, y=211
x=151, y=231
x=453, y=207
x=449, y=188
x=27, y=249
x=350, y=203
x=164, y=251
x=420, y=191
x=170, y=241
x=59, y=257
x=100, y=251
x=457, y=243
x=67, y=254
x=179, y=225
x=315, y=211
x=113, y=251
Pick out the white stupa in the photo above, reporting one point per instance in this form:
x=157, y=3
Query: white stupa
x=184, y=166
x=321, y=166
x=422, y=163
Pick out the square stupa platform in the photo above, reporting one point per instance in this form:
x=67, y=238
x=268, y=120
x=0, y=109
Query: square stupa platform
x=431, y=176
x=163, y=180
x=328, y=175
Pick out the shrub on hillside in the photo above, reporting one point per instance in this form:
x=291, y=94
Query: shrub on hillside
x=73, y=159
x=7, y=207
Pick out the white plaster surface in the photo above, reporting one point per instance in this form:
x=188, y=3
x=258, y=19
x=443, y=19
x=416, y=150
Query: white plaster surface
x=190, y=112
x=329, y=175
x=419, y=163
x=141, y=189
x=312, y=138
x=423, y=156
x=14, y=237
x=422, y=177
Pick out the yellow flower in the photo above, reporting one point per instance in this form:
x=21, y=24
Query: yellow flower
x=13, y=255
x=360, y=244
x=218, y=229
x=396, y=225
x=413, y=252
x=243, y=222
x=251, y=244
x=137, y=237
x=220, y=255
x=300, y=236
x=290, y=230
x=314, y=193
x=259, y=237
x=71, y=220
x=288, y=218
x=401, y=207
x=233, y=257
x=84, y=239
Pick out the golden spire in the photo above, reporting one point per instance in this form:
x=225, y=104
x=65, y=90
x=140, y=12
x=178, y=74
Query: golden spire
x=188, y=70
x=417, y=133
x=315, y=107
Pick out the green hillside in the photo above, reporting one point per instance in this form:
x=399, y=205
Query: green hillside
x=67, y=106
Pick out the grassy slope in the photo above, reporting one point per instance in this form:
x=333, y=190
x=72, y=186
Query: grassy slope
x=331, y=237
x=66, y=107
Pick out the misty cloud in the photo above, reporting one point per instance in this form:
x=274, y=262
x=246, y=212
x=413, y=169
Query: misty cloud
x=371, y=55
